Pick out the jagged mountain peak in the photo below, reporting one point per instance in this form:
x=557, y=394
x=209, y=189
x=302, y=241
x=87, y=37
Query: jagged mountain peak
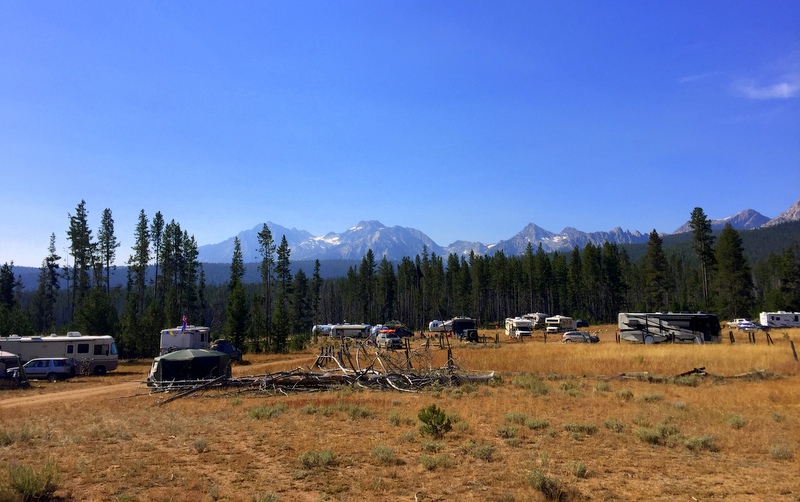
x=743, y=220
x=791, y=214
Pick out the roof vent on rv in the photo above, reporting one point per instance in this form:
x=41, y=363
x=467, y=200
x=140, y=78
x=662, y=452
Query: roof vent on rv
x=73, y=333
x=53, y=334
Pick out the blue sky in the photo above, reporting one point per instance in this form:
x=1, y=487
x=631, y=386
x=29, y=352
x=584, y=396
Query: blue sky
x=463, y=119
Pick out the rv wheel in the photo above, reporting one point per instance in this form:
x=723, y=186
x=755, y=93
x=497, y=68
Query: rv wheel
x=100, y=370
x=649, y=340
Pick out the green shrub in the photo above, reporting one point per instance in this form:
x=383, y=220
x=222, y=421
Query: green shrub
x=700, y=443
x=587, y=429
x=484, y=452
x=531, y=383
x=394, y=418
x=516, y=418
x=551, y=488
x=579, y=469
x=432, y=446
x=32, y=484
x=625, y=395
x=614, y=424
x=537, y=423
x=663, y=434
x=431, y=463
x=315, y=459
x=435, y=422
x=507, y=431
x=736, y=421
x=384, y=455
x=200, y=445
x=781, y=453
x=652, y=398
x=260, y=412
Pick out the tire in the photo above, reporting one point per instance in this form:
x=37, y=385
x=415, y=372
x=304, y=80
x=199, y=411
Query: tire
x=52, y=377
x=649, y=340
x=100, y=370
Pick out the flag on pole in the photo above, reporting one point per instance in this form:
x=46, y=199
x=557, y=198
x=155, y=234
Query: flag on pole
x=183, y=325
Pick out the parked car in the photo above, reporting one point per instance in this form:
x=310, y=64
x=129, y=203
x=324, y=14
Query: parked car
x=749, y=326
x=50, y=368
x=388, y=340
x=227, y=347
x=580, y=323
x=735, y=322
x=579, y=337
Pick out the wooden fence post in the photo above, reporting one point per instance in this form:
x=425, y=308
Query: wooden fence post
x=794, y=352
x=730, y=334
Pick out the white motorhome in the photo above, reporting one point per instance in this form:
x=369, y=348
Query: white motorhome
x=657, y=327
x=517, y=327
x=559, y=324
x=92, y=354
x=440, y=326
x=184, y=337
x=350, y=330
x=780, y=319
x=538, y=319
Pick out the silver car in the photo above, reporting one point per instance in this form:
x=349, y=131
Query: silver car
x=388, y=340
x=50, y=368
x=579, y=337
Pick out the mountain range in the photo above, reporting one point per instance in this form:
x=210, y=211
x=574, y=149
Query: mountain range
x=397, y=242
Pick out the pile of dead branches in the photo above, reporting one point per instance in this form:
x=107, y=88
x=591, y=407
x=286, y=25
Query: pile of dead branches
x=354, y=364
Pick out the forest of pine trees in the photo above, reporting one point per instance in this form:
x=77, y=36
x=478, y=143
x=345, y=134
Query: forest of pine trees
x=276, y=314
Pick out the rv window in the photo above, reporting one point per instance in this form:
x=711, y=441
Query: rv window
x=99, y=350
x=70, y=349
x=83, y=348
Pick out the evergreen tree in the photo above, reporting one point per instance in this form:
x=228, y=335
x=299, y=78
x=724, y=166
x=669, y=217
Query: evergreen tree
x=44, y=301
x=107, y=245
x=734, y=282
x=156, y=239
x=386, y=290
x=236, y=309
x=654, y=271
x=703, y=245
x=267, y=269
x=82, y=251
x=316, y=288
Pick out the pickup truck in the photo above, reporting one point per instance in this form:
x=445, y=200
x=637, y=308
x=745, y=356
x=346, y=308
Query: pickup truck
x=735, y=322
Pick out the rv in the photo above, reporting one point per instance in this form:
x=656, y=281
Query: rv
x=661, y=327
x=350, y=330
x=184, y=337
x=92, y=354
x=537, y=319
x=465, y=328
x=780, y=319
x=440, y=326
x=321, y=330
x=559, y=324
x=517, y=327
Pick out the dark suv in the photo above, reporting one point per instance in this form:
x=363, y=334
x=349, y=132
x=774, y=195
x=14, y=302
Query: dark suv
x=227, y=347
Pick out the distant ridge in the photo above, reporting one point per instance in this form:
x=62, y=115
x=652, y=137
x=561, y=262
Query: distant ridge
x=398, y=242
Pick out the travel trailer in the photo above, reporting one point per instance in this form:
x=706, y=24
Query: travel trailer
x=92, y=354
x=559, y=324
x=517, y=327
x=780, y=319
x=658, y=327
x=184, y=337
x=350, y=330
x=537, y=319
x=440, y=326
x=465, y=328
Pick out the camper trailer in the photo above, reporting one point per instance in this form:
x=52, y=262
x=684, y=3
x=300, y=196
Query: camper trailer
x=465, y=328
x=537, y=319
x=440, y=326
x=559, y=324
x=184, y=337
x=350, y=330
x=92, y=354
x=780, y=319
x=658, y=327
x=517, y=327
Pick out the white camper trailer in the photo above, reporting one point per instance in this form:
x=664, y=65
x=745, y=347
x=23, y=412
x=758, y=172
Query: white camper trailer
x=350, y=330
x=657, y=327
x=180, y=337
x=780, y=319
x=537, y=319
x=517, y=327
x=92, y=354
x=559, y=324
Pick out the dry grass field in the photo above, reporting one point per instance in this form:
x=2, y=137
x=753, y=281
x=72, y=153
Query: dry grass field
x=605, y=421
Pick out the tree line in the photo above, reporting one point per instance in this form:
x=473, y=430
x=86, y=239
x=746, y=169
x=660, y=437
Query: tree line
x=166, y=283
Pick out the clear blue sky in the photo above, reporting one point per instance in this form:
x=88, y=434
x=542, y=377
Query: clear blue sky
x=463, y=119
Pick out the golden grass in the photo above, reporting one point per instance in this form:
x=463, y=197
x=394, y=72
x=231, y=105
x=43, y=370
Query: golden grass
x=743, y=434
